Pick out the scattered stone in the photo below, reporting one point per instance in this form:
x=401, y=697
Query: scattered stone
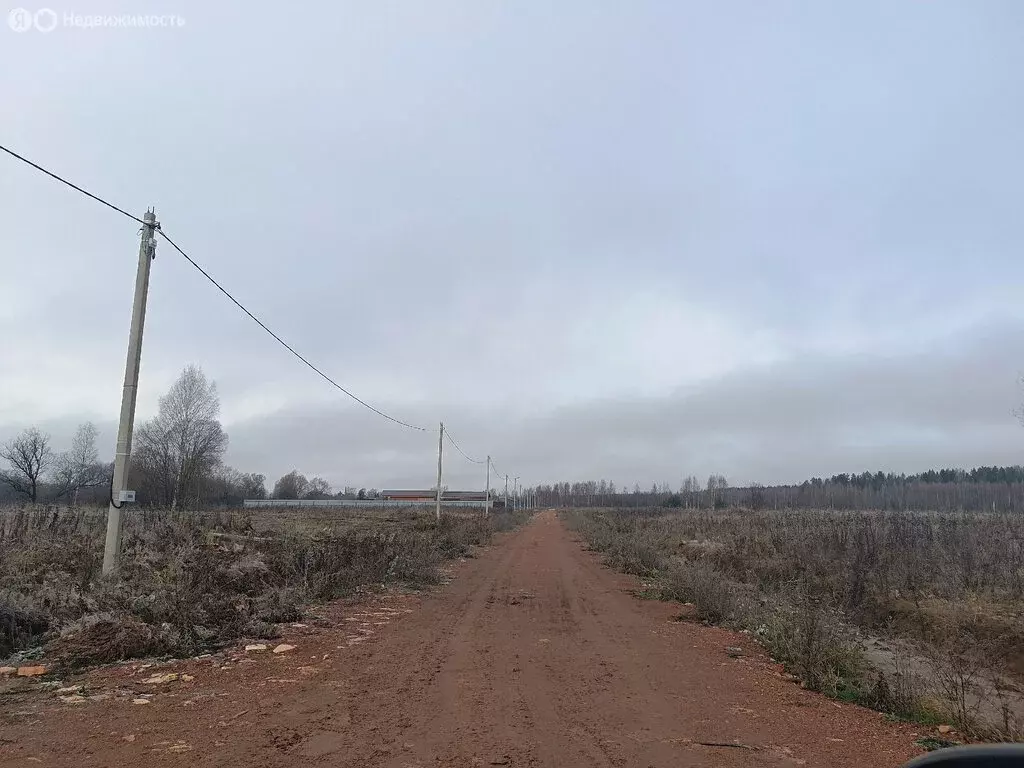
x=170, y=677
x=129, y=738
x=69, y=690
x=945, y=729
x=31, y=671
x=75, y=698
x=300, y=626
x=140, y=701
x=284, y=648
x=187, y=678
x=256, y=647
x=181, y=746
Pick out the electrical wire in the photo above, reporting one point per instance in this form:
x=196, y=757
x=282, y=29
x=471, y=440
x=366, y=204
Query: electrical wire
x=282, y=342
x=219, y=287
x=496, y=472
x=62, y=180
x=467, y=458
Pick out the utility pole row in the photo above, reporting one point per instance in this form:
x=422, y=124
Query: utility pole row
x=119, y=493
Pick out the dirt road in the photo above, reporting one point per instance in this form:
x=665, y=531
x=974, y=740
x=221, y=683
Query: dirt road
x=533, y=655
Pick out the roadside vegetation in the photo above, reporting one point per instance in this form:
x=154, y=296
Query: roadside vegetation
x=189, y=582
x=920, y=615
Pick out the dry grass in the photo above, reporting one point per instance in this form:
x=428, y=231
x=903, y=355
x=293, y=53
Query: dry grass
x=808, y=583
x=189, y=581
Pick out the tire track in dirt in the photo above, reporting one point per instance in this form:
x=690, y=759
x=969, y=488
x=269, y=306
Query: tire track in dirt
x=533, y=655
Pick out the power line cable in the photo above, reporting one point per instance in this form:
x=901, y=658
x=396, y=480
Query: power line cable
x=221, y=288
x=282, y=342
x=496, y=472
x=467, y=458
x=62, y=180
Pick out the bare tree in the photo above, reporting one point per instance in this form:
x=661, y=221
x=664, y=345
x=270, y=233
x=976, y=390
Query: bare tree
x=229, y=487
x=30, y=457
x=294, y=485
x=80, y=467
x=318, y=489
x=254, y=485
x=180, y=448
x=716, y=485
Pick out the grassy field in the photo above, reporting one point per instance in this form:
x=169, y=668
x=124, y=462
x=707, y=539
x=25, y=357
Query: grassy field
x=917, y=614
x=191, y=581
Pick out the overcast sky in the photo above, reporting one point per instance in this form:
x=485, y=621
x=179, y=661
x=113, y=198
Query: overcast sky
x=632, y=240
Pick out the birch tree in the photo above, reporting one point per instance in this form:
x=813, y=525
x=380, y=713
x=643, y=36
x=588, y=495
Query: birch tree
x=179, y=450
x=80, y=467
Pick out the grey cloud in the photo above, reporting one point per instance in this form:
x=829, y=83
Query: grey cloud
x=624, y=239
x=949, y=406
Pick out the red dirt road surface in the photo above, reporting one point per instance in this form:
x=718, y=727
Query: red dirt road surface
x=533, y=655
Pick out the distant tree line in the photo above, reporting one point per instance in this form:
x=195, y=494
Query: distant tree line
x=982, y=488
x=35, y=472
x=294, y=485
x=177, y=458
x=177, y=461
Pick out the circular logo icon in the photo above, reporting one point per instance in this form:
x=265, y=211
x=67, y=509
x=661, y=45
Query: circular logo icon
x=45, y=20
x=19, y=20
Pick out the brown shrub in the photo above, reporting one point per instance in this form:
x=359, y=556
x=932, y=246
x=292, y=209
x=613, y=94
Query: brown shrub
x=189, y=581
x=102, y=639
x=715, y=597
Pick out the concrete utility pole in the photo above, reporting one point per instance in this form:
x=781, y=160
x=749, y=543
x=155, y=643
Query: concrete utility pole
x=515, y=494
x=506, y=493
x=122, y=457
x=487, y=488
x=440, y=450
